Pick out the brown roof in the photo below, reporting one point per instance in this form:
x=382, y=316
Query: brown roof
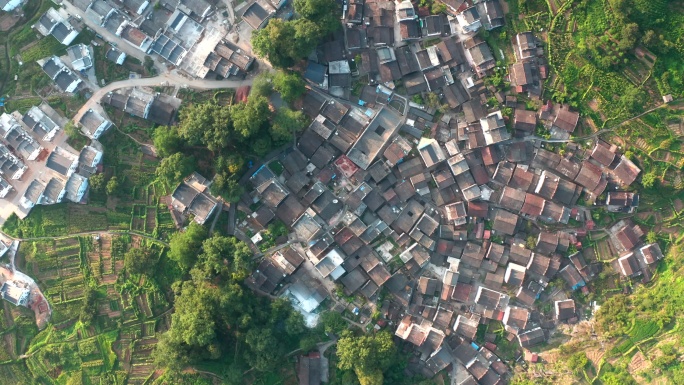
x=478, y=209
x=521, y=74
x=525, y=120
x=512, y=198
x=602, y=153
x=533, y=205
x=628, y=237
x=134, y=35
x=651, y=253
x=626, y=171
x=566, y=119
x=589, y=175
x=505, y=222
x=629, y=265
x=522, y=179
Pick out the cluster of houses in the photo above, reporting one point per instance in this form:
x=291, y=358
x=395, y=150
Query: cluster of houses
x=192, y=197
x=141, y=102
x=37, y=166
x=443, y=223
x=184, y=33
x=463, y=218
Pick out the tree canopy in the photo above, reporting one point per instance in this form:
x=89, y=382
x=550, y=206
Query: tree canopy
x=286, y=123
x=217, y=319
x=368, y=355
x=173, y=169
x=183, y=246
x=167, y=141
x=139, y=260
x=250, y=117
x=290, y=85
x=283, y=43
x=207, y=123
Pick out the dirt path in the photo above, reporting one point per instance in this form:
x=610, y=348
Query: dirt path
x=135, y=233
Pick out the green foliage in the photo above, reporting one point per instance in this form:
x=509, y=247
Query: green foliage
x=183, y=246
x=167, y=141
x=262, y=85
x=333, y=322
x=97, y=182
x=112, y=186
x=286, y=123
x=290, y=85
x=283, y=43
x=139, y=260
x=325, y=13
x=577, y=362
x=89, y=306
x=173, y=169
x=206, y=123
x=271, y=43
x=45, y=47
x=224, y=256
x=250, y=117
x=614, y=316
x=368, y=355
x=227, y=187
x=649, y=180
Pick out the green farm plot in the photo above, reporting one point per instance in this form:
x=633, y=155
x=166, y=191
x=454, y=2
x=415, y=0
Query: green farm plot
x=100, y=351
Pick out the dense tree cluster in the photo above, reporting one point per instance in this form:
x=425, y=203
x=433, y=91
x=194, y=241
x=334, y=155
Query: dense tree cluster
x=369, y=356
x=283, y=43
x=216, y=318
x=651, y=23
x=231, y=132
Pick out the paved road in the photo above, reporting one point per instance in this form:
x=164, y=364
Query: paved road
x=161, y=80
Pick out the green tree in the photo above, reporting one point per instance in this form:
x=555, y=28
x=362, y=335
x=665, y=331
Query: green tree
x=88, y=306
x=97, y=182
x=227, y=187
x=632, y=99
x=167, y=141
x=577, y=362
x=290, y=85
x=230, y=164
x=183, y=247
x=139, y=260
x=368, y=355
x=261, y=146
x=206, y=123
x=651, y=237
x=649, y=180
x=628, y=36
x=112, y=186
x=262, y=85
x=250, y=117
x=173, y=169
x=223, y=255
x=275, y=43
x=286, y=123
x=333, y=322
x=307, y=35
x=325, y=13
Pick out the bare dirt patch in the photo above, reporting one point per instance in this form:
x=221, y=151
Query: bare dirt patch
x=8, y=20
x=638, y=363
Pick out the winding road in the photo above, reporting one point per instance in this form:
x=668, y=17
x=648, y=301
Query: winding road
x=167, y=79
